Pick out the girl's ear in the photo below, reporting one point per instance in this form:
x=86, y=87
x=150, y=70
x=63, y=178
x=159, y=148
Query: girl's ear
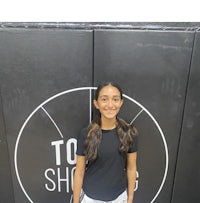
x=95, y=104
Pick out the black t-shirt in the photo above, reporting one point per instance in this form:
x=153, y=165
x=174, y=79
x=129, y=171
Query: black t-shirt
x=105, y=177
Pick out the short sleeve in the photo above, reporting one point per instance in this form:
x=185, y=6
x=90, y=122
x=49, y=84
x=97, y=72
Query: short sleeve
x=134, y=148
x=80, y=142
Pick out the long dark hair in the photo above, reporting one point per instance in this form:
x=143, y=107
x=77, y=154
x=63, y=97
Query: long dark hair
x=125, y=131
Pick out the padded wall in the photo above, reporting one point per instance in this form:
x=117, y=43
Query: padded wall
x=152, y=68
x=46, y=80
x=37, y=68
x=187, y=179
x=6, y=187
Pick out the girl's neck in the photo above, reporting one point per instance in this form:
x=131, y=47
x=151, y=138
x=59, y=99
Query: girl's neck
x=107, y=124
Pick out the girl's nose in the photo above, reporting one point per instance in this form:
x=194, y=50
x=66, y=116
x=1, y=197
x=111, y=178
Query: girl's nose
x=110, y=103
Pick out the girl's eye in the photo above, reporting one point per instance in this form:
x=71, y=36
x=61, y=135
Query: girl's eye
x=116, y=99
x=103, y=99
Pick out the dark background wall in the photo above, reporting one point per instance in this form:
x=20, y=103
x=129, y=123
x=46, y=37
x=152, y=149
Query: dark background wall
x=47, y=72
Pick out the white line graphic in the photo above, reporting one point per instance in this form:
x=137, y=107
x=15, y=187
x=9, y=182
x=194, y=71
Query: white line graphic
x=52, y=121
x=136, y=116
x=90, y=116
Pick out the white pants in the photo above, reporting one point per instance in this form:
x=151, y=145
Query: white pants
x=120, y=199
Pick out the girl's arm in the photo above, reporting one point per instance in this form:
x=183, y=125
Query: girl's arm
x=78, y=177
x=131, y=175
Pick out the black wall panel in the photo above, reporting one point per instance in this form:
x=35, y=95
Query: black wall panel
x=6, y=189
x=152, y=67
x=35, y=66
x=187, y=179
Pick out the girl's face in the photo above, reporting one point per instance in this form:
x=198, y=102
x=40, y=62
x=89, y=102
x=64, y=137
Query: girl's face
x=109, y=102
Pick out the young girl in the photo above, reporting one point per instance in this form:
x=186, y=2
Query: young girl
x=106, y=153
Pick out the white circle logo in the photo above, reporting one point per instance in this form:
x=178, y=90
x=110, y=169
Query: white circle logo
x=44, y=155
